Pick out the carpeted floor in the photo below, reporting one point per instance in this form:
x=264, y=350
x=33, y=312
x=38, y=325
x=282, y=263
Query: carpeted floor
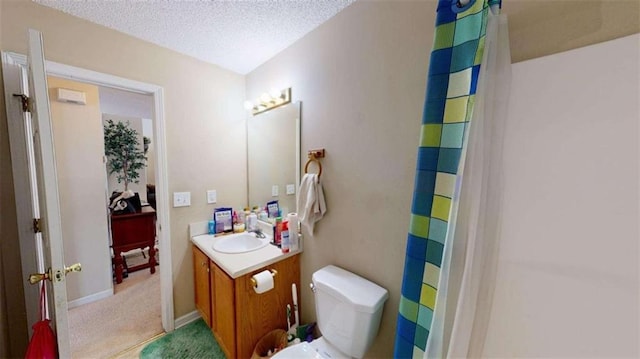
x=193, y=341
x=107, y=327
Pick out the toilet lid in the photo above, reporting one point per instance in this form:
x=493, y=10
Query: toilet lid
x=317, y=349
x=298, y=351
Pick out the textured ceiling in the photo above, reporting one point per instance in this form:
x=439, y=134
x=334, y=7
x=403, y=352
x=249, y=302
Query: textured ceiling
x=238, y=35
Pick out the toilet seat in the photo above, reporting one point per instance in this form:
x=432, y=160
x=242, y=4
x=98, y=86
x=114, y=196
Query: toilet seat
x=317, y=349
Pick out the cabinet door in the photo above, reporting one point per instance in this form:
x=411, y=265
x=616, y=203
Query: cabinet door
x=224, y=311
x=201, y=284
x=258, y=314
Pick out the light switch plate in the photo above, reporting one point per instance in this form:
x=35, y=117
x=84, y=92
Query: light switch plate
x=275, y=190
x=181, y=199
x=212, y=196
x=291, y=189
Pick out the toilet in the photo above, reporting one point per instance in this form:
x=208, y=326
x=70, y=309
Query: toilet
x=348, y=309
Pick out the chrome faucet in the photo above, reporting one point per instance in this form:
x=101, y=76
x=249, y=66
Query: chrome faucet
x=258, y=233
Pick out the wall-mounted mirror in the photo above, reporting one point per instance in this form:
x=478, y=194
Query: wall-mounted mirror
x=273, y=157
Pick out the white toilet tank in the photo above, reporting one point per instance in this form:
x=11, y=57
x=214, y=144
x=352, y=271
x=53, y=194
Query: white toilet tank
x=348, y=309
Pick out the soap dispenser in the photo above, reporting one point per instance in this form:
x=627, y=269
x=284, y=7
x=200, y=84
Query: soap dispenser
x=252, y=221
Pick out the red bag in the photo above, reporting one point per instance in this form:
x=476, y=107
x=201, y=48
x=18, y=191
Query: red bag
x=43, y=342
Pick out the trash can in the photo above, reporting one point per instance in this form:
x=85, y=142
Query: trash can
x=273, y=341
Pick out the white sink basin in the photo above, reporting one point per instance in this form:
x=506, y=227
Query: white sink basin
x=240, y=243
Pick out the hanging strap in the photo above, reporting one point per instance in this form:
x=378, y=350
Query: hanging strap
x=43, y=300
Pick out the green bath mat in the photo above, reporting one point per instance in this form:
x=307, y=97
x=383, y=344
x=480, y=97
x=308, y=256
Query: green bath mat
x=194, y=340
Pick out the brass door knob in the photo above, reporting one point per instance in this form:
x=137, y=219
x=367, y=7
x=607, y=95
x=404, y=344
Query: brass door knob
x=73, y=268
x=37, y=277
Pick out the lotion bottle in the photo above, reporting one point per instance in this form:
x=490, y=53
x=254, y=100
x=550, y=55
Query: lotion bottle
x=278, y=235
x=284, y=243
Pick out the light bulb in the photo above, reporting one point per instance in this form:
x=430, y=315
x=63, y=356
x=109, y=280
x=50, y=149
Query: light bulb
x=265, y=97
x=248, y=105
x=275, y=93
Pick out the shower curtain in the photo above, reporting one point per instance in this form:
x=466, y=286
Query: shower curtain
x=440, y=288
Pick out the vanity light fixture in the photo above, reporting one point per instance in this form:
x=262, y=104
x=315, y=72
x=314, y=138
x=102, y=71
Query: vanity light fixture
x=268, y=101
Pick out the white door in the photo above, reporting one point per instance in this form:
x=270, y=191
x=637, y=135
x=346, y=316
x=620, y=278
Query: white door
x=33, y=158
x=47, y=190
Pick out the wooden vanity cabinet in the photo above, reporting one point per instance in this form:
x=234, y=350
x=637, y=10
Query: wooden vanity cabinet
x=223, y=304
x=202, y=282
x=258, y=314
x=240, y=317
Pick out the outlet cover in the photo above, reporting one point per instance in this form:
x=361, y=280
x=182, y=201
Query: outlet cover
x=212, y=196
x=181, y=199
x=291, y=189
x=275, y=190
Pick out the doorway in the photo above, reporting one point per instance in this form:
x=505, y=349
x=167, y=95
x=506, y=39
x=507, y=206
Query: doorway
x=162, y=224
x=128, y=305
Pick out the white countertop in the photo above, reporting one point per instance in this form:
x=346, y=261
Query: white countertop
x=239, y=264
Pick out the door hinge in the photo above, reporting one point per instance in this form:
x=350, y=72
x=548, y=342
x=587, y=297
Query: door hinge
x=36, y=225
x=26, y=102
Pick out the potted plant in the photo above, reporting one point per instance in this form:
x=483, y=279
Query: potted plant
x=125, y=156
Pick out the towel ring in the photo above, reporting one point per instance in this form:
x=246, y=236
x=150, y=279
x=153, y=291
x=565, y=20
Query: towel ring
x=313, y=159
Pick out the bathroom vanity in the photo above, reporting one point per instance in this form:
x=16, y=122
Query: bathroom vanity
x=226, y=299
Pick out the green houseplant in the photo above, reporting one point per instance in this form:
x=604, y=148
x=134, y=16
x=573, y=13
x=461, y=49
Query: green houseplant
x=125, y=156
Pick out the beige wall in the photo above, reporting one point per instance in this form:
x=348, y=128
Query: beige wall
x=361, y=79
x=538, y=28
x=202, y=102
x=79, y=145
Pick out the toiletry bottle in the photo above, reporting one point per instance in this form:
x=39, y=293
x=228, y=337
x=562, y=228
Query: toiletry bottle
x=293, y=236
x=238, y=226
x=278, y=236
x=252, y=221
x=245, y=215
x=284, y=243
x=262, y=215
x=241, y=216
x=212, y=227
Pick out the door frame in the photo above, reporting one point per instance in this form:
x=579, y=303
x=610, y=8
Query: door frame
x=163, y=228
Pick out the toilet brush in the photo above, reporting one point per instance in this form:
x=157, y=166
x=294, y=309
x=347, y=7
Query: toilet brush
x=290, y=330
x=294, y=294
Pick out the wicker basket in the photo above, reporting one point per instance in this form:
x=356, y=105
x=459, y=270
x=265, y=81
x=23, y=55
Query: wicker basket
x=274, y=341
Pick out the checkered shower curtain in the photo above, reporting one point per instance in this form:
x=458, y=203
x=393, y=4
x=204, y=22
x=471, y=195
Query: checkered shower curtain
x=451, y=85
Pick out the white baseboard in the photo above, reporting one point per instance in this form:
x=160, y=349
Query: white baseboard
x=90, y=298
x=186, y=319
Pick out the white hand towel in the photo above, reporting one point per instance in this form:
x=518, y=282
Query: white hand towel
x=311, y=204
